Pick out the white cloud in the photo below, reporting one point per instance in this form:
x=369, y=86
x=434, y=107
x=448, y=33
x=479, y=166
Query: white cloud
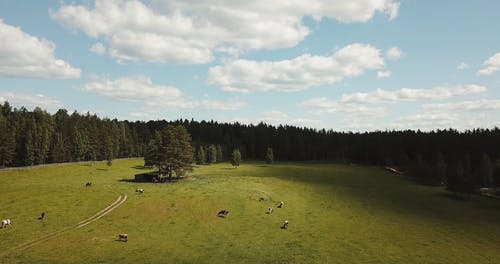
x=323, y=105
x=98, y=48
x=367, y=104
x=295, y=74
x=277, y=118
x=427, y=121
x=222, y=105
x=51, y=104
x=491, y=65
x=409, y=94
x=462, y=66
x=465, y=106
x=23, y=55
x=394, y=53
x=384, y=74
x=141, y=89
x=191, y=32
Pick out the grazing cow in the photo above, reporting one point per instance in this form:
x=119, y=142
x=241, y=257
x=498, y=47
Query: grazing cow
x=139, y=191
x=123, y=237
x=270, y=210
x=6, y=223
x=285, y=225
x=88, y=184
x=280, y=205
x=42, y=216
x=223, y=213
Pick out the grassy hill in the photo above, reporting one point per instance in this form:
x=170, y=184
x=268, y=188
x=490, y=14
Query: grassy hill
x=337, y=214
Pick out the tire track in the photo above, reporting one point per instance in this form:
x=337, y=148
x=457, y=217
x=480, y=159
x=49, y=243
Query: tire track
x=119, y=201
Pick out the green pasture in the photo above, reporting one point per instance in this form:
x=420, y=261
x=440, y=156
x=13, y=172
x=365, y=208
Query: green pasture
x=337, y=214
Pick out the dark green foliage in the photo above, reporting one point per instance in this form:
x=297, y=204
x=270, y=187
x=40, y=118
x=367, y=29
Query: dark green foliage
x=171, y=151
x=486, y=170
x=236, y=158
x=200, y=155
x=219, y=154
x=212, y=154
x=37, y=137
x=269, y=156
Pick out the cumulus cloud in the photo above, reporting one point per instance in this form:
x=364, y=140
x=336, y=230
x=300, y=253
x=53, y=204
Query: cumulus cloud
x=465, y=106
x=191, y=32
x=325, y=105
x=295, y=74
x=462, y=66
x=364, y=104
x=394, y=53
x=277, y=118
x=23, y=55
x=98, y=48
x=410, y=94
x=51, y=104
x=141, y=89
x=384, y=74
x=491, y=65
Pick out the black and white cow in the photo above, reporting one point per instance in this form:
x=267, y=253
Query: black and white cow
x=270, y=210
x=123, y=237
x=6, y=223
x=223, y=213
x=140, y=191
x=280, y=205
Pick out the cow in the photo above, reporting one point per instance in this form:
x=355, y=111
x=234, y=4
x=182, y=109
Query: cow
x=270, y=210
x=123, y=237
x=285, y=225
x=139, y=191
x=6, y=223
x=88, y=184
x=280, y=205
x=42, y=216
x=223, y=213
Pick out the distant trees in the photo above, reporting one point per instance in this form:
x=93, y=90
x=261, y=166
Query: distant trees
x=200, y=155
x=455, y=158
x=236, y=158
x=269, y=156
x=486, y=170
x=212, y=154
x=219, y=154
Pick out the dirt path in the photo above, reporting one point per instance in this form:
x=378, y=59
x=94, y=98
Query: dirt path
x=120, y=200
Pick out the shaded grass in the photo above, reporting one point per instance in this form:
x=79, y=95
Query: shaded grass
x=337, y=214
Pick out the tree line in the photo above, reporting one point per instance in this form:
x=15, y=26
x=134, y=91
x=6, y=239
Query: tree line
x=461, y=160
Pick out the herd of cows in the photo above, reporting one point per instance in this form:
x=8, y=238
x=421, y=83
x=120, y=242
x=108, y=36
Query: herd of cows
x=124, y=237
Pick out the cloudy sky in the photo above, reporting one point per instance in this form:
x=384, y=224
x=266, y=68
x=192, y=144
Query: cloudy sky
x=343, y=65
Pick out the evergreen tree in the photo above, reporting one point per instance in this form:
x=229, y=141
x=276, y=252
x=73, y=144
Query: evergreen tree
x=440, y=168
x=219, y=153
x=486, y=170
x=7, y=141
x=212, y=154
x=236, y=158
x=200, y=155
x=269, y=156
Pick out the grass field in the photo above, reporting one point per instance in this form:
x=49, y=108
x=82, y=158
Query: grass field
x=337, y=214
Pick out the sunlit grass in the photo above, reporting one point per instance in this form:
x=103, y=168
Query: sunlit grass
x=337, y=214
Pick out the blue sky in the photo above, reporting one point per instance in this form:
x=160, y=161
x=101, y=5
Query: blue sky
x=342, y=65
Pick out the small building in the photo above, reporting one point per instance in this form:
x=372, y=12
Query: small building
x=147, y=177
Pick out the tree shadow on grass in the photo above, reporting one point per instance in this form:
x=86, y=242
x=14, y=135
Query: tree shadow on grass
x=127, y=180
x=139, y=167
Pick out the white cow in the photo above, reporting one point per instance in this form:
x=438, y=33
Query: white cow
x=5, y=223
x=139, y=190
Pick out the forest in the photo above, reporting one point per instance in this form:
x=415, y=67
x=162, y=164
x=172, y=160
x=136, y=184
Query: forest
x=462, y=160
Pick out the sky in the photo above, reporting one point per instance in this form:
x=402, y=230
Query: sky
x=359, y=65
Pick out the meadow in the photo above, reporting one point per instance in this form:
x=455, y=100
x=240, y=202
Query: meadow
x=337, y=214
